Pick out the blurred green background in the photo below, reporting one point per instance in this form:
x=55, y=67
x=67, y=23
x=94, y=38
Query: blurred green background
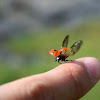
x=25, y=41
x=39, y=45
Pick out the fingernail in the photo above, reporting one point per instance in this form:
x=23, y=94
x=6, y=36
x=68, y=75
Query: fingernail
x=93, y=68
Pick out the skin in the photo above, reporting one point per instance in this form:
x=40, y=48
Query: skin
x=69, y=81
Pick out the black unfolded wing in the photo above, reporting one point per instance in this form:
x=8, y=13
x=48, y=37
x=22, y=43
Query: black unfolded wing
x=75, y=47
x=65, y=41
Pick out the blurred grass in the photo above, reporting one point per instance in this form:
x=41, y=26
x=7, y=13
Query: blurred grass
x=40, y=43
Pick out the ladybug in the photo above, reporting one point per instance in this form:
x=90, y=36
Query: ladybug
x=64, y=52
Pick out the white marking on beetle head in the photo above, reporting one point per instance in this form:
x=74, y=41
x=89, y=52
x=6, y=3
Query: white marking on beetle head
x=57, y=58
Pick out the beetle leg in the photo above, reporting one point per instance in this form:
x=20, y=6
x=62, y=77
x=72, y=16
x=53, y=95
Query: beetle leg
x=66, y=60
x=59, y=62
x=69, y=60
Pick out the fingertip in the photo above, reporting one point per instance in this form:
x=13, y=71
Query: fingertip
x=84, y=72
x=92, y=66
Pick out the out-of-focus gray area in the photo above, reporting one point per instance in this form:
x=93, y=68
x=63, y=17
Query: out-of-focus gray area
x=19, y=16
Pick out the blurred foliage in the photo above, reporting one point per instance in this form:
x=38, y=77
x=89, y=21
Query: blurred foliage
x=39, y=43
